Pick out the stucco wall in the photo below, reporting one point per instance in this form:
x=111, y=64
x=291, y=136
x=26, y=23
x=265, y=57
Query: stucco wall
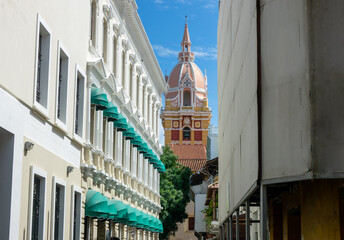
x=327, y=86
x=237, y=98
x=285, y=89
x=18, y=21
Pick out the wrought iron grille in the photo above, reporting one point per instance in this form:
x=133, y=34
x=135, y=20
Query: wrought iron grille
x=59, y=91
x=57, y=212
x=77, y=106
x=36, y=208
x=39, y=69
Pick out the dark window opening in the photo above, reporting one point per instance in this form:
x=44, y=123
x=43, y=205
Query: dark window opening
x=39, y=69
x=187, y=98
x=187, y=134
x=191, y=223
x=36, y=208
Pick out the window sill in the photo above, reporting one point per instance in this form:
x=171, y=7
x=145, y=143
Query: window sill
x=77, y=139
x=40, y=110
x=61, y=126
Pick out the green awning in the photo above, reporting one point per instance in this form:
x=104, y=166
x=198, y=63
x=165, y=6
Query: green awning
x=99, y=99
x=137, y=141
x=149, y=154
x=158, y=164
x=132, y=218
x=122, y=211
x=121, y=123
x=139, y=216
x=111, y=112
x=145, y=220
x=160, y=227
x=144, y=148
x=129, y=133
x=154, y=160
x=112, y=209
x=96, y=205
x=161, y=169
x=156, y=224
x=151, y=223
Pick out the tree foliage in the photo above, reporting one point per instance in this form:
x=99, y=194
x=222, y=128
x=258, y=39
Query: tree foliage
x=174, y=191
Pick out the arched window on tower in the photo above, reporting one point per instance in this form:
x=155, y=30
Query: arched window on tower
x=186, y=134
x=187, y=98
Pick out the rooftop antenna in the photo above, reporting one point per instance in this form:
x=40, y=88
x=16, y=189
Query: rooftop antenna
x=186, y=19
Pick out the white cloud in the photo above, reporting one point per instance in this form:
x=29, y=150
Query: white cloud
x=165, y=52
x=210, y=5
x=159, y=1
x=206, y=53
x=209, y=53
x=184, y=1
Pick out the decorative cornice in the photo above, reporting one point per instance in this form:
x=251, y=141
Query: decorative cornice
x=87, y=170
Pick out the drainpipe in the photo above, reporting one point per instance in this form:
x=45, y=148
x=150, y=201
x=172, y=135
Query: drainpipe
x=263, y=189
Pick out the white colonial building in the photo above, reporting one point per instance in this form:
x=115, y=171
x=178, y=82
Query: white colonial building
x=80, y=94
x=120, y=158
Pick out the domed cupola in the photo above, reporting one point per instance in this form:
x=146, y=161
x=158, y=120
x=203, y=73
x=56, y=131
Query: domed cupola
x=188, y=85
x=186, y=115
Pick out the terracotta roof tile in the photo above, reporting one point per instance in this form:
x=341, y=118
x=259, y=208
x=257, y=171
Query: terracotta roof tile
x=189, y=151
x=194, y=164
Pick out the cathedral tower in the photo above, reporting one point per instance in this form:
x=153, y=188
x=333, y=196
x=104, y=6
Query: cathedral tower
x=186, y=115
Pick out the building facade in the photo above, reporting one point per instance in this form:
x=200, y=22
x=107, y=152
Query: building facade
x=78, y=130
x=120, y=157
x=212, y=142
x=280, y=147
x=185, y=119
x=186, y=115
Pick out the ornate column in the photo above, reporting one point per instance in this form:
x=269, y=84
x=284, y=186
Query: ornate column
x=109, y=145
x=100, y=136
x=96, y=142
x=140, y=168
x=140, y=95
x=88, y=114
x=136, y=91
x=145, y=103
x=118, y=149
x=126, y=69
x=118, y=61
x=150, y=183
x=133, y=165
x=133, y=78
x=150, y=105
x=157, y=122
x=155, y=181
x=145, y=175
x=154, y=117
x=159, y=185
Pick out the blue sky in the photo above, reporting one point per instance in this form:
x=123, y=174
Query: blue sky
x=164, y=22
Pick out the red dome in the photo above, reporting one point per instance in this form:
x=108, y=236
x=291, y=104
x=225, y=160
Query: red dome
x=182, y=71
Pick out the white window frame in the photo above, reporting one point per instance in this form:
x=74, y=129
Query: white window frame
x=38, y=106
x=62, y=125
x=76, y=136
x=75, y=189
x=58, y=181
x=35, y=171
